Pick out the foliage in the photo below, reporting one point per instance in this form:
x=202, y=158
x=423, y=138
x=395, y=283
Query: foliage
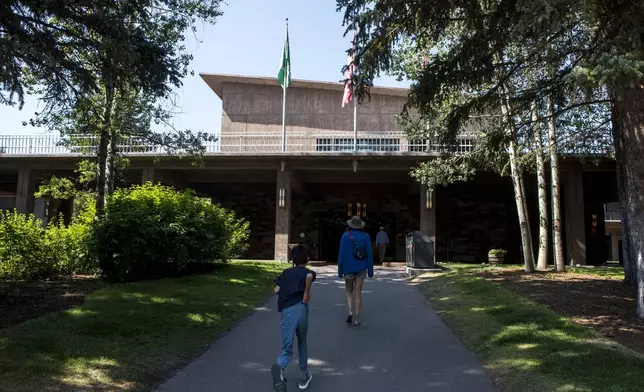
x=70, y=244
x=105, y=68
x=153, y=231
x=119, y=339
x=28, y=251
x=64, y=48
x=23, y=251
x=498, y=252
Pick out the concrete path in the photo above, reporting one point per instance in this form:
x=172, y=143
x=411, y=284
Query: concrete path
x=400, y=346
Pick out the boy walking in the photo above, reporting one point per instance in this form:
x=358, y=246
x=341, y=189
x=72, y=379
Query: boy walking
x=293, y=287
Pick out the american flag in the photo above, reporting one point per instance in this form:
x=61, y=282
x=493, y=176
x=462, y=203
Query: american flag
x=348, y=75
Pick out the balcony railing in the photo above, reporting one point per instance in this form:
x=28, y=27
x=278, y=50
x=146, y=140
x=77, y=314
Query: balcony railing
x=242, y=143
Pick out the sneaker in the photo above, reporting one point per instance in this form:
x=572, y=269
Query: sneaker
x=349, y=319
x=279, y=381
x=306, y=380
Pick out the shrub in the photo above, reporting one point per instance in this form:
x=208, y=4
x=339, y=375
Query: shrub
x=152, y=231
x=70, y=244
x=497, y=252
x=23, y=250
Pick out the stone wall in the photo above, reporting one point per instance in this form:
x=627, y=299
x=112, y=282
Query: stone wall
x=256, y=203
x=473, y=218
x=258, y=108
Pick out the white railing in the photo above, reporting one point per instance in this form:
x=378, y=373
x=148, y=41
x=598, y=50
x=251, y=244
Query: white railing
x=242, y=143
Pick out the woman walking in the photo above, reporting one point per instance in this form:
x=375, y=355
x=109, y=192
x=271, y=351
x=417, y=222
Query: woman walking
x=355, y=262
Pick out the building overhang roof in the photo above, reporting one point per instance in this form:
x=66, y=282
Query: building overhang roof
x=216, y=83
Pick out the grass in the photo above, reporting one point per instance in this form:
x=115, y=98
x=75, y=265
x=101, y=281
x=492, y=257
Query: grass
x=129, y=337
x=527, y=347
x=610, y=272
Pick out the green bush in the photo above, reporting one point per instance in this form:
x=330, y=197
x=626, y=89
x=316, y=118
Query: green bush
x=152, y=231
x=70, y=244
x=23, y=249
x=28, y=251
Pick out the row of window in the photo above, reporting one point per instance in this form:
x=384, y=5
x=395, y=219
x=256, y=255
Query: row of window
x=381, y=145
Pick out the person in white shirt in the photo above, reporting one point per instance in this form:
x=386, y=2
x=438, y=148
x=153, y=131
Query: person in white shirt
x=382, y=241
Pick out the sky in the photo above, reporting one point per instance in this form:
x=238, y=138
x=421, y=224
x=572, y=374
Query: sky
x=246, y=40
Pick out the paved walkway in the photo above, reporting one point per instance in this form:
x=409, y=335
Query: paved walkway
x=400, y=346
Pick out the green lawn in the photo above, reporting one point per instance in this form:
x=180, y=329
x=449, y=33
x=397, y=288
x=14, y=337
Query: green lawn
x=527, y=347
x=616, y=272
x=128, y=337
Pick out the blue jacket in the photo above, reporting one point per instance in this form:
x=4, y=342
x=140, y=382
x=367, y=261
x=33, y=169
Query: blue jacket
x=347, y=264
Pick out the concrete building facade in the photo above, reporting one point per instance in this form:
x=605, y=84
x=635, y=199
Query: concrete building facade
x=328, y=174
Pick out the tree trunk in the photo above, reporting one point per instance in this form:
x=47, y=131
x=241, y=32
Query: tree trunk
x=542, y=261
x=519, y=190
x=560, y=263
x=628, y=120
x=111, y=176
x=103, y=149
x=630, y=267
x=519, y=195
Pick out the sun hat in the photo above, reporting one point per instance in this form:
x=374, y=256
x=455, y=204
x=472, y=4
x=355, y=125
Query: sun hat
x=356, y=223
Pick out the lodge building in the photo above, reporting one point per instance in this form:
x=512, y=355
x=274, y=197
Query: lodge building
x=326, y=173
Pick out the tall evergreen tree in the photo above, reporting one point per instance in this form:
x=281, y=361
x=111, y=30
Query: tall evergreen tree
x=593, y=43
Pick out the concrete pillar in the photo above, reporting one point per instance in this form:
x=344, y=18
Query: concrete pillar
x=25, y=198
x=40, y=210
x=428, y=214
x=574, y=219
x=149, y=175
x=282, y=214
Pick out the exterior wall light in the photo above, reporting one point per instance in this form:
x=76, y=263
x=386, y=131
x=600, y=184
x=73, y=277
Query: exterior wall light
x=429, y=196
x=281, y=198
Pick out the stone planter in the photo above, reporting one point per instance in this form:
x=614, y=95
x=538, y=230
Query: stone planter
x=495, y=258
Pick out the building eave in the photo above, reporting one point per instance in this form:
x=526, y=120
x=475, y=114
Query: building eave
x=216, y=83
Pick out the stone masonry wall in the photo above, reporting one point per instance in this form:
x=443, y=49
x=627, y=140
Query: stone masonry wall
x=256, y=203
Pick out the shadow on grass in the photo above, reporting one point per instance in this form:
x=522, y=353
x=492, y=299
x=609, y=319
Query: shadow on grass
x=529, y=347
x=129, y=337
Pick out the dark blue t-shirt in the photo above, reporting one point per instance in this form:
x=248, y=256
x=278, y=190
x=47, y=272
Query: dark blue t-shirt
x=292, y=283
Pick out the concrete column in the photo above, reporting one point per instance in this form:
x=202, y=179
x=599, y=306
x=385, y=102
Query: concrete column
x=25, y=198
x=149, y=175
x=282, y=214
x=575, y=219
x=428, y=214
x=614, y=238
x=40, y=210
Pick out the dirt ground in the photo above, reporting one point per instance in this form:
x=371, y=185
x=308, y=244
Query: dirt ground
x=22, y=301
x=604, y=304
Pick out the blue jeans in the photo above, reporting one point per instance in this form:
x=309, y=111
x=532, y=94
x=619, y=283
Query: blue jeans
x=294, y=322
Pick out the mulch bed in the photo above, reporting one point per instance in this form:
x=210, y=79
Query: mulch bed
x=604, y=304
x=22, y=301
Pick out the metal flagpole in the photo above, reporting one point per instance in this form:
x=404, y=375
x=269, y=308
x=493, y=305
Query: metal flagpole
x=355, y=124
x=284, y=121
x=353, y=93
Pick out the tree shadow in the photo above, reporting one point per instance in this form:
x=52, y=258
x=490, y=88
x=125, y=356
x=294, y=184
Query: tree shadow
x=129, y=336
x=606, y=305
x=521, y=342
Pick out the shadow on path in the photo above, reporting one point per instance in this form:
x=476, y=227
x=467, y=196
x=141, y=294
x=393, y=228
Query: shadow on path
x=400, y=346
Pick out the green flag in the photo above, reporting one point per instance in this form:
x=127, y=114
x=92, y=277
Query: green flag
x=284, y=75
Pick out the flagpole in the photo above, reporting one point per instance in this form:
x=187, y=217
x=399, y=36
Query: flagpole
x=355, y=124
x=355, y=105
x=284, y=121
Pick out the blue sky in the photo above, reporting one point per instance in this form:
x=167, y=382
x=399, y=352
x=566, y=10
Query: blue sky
x=247, y=40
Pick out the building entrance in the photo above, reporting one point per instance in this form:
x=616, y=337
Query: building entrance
x=333, y=224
